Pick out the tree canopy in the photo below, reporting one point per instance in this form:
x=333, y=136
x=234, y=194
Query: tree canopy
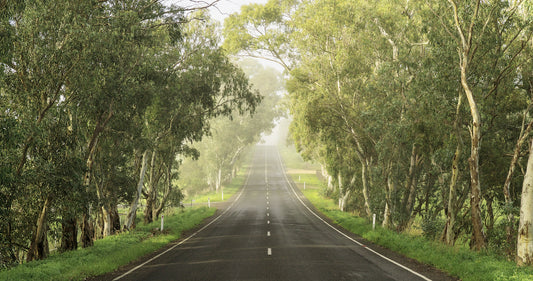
x=387, y=95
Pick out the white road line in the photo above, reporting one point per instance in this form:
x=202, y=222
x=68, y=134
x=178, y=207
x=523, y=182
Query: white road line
x=340, y=232
x=268, y=207
x=192, y=235
x=269, y=251
x=268, y=203
x=268, y=214
x=268, y=233
x=268, y=222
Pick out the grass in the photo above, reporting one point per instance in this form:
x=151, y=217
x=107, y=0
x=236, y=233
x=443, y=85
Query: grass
x=458, y=261
x=111, y=252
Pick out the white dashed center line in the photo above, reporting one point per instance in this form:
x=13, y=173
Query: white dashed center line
x=268, y=233
x=268, y=222
x=269, y=251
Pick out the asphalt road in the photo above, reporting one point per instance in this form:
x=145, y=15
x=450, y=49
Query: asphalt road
x=269, y=234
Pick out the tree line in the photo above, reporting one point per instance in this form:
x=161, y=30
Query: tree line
x=224, y=151
x=99, y=100
x=418, y=111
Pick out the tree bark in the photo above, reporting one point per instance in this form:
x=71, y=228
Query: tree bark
x=408, y=201
x=524, y=133
x=465, y=48
x=218, y=182
x=106, y=217
x=69, y=237
x=167, y=192
x=448, y=235
x=390, y=189
x=39, y=244
x=151, y=196
x=134, y=204
x=366, y=196
x=524, y=246
x=87, y=227
x=87, y=231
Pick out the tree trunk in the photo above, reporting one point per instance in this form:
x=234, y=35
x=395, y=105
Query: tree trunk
x=218, y=182
x=134, y=204
x=388, y=199
x=448, y=235
x=465, y=48
x=69, y=237
x=408, y=201
x=366, y=196
x=412, y=180
x=39, y=244
x=148, y=211
x=167, y=192
x=524, y=133
x=106, y=218
x=87, y=227
x=87, y=231
x=115, y=219
x=524, y=246
x=152, y=191
x=478, y=236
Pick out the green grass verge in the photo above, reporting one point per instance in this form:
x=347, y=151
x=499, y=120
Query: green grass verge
x=457, y=261
x=111, y=252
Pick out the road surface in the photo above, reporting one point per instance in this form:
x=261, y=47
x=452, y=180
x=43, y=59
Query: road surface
x=269, y=234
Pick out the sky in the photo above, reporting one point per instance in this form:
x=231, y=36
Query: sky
x=222, y=9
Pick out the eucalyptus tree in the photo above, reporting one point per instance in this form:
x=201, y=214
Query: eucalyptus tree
x=231, y=136
x=488, y=36
x=41, y=50
x=260, y=31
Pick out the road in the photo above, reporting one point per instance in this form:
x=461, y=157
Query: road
x=269, y=234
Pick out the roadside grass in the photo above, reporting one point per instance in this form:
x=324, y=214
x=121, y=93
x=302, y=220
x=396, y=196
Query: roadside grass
x=457, y=261
x=111, y=252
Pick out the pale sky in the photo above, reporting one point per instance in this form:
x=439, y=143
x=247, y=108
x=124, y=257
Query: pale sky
x=223, y=8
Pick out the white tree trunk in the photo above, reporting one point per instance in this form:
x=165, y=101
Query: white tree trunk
x=140, y=184
x=106, y=216
x=524, y=246
x=218, y=182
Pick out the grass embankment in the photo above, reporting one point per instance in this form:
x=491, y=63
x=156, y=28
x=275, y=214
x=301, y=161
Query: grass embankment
x=111, y=252
x=457, y=261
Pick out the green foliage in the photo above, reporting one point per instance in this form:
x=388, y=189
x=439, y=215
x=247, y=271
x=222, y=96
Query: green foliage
x=229, y=140
x=376, y=97
x=85, y=89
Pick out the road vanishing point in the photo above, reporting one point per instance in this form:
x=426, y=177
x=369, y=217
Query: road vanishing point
x=269, y=232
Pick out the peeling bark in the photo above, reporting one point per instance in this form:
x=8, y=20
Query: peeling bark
x=524, y=246
x=39, y=244
x=134, y=204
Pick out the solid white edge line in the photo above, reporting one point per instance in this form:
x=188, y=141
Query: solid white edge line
x=340, y=232
x=192, y=235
